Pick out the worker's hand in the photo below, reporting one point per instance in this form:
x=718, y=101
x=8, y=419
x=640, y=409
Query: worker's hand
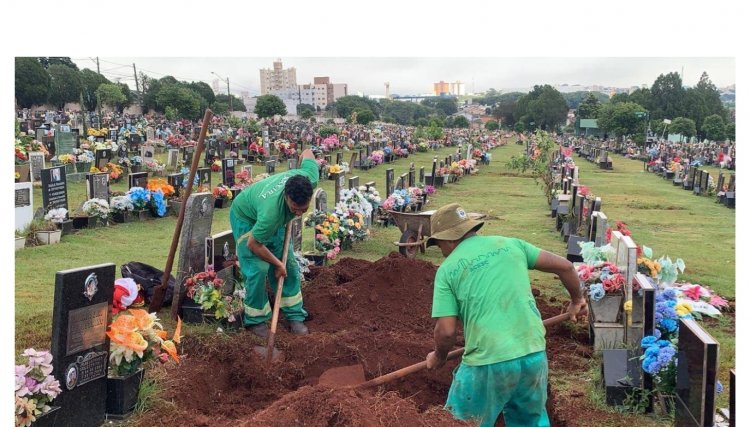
x=280, y=271
x=578, y=308
x=434, y=361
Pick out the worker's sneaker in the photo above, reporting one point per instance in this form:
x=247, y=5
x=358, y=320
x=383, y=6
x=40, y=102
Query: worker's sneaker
x=261, y=330
x=297, y=327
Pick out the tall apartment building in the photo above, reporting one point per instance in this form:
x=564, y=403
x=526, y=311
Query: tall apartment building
x=322, y=92
x=277, y=79
x=452, y=88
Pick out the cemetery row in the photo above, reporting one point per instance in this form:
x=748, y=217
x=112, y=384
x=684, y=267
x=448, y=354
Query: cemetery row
x=635, y=301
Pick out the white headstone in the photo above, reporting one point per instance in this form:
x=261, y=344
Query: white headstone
x=24, y=205
x=150, y=134
x=601, y=228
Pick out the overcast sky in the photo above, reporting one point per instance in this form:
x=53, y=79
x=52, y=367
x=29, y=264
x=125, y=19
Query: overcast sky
x=415, y=75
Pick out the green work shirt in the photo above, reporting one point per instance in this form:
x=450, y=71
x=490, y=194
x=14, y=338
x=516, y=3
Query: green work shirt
x=263, y=203
x=485, y=283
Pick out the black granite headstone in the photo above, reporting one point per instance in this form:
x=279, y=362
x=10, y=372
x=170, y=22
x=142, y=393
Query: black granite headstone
x=695, y=384
x=54, y=188
x=204, y=177
x=220, y=255
x=138, y=179
x=412, y=174
x=187, y=154
x=175, y=180
x=80, y=346
x=339, y=157
x=227, y=171
x=421, y=174
x=97, y=186
x=389, y=184
x=354, y=182
x=271, y=167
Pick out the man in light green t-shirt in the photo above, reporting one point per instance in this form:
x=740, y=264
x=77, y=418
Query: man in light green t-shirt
x=484, y=282
x=258, y=217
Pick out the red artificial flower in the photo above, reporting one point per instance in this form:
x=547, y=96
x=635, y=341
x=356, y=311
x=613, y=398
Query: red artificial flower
x=638, y=251
x=608, y=234
x=693, y=293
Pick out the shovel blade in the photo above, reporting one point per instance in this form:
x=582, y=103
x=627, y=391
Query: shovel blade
x=343, y=376
x=263, y=352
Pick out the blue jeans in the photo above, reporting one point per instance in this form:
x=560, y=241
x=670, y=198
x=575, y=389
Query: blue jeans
x=516, y=388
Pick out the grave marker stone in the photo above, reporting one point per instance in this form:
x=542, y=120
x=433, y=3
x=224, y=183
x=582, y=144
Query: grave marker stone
x=187, y=154
x=598, y=228
x=97, y=186
x=354, y=163
x=138, y=179
x=249, y=169
x=411, y=179
x=113, y=134
x=80, y=346
x=421, y=174
x=354, y=182
x=36, y=164
x=54, y=188
x=227, y=172
x=297, y=234
x=175, y=180
x=704, y=182
x=64, y=142
x=220, y=253
x=172, y=156
x=291, y=164
x=321, y=200
x=695, y=385
x=24, y=205
x=339, y=183
x=133, y=141
x=204, y=177
x=388, y=182
x=402, y=180
x=199, y=213
x=339, y=157
x=147, y=152
x=102, y=157
x=271, y=167
x=150, y=134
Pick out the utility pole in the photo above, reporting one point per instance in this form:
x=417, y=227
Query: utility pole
x=135, y=74
x=230, y=97
x=97, y=65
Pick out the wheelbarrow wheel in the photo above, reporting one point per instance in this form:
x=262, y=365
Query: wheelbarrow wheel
x=409, y=236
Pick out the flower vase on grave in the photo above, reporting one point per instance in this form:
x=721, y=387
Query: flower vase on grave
x=135, y=168
x=191, y=312
x=122, y=394
x=66, y=227
x=48, y=237
x=122, y=217
x=140, y=214
x=319, y=260
x=81, y=222
x=70, y=168
x=607, y=309
x=20, y=243
x=47, y=419
x=222, y=202
x=83, y=167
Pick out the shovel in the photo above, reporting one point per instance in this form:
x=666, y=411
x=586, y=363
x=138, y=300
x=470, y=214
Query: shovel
x=353, y=376
x=269, y=352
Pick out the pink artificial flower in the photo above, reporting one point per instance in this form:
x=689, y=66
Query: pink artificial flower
x=693, y=293
x=718, y=302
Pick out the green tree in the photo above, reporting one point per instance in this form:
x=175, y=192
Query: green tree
x=186, y=102
x=619, y=97
x=683, y=126
x=110, y=94
x=730, y=131
x=222, y=103
x=574, y=99
x=32, y=82
x=346, y=105
x=503, y=112
x=667, y=97
x=57, y=60
x=544, y=105
x=129, y=97
x=460, y=122
x=519, y=127
x=365, y=116
x=269, y=106
x=713, y=128
x=205, y=91
x=65, y=85
x=492, y=125
x=90, y=81
x=306, y=114
x=434, y=133
x=621, y=119
x=302, y=108
x=641, y=96
x=702, y=101
x=589, y=107
x=446, y=105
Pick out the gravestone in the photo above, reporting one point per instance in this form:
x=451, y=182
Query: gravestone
x=403, y=180
x=430, y=179
x=138, y=179
x=704, y=182
x=64, y=143
x=54, y=188
x=150, y=134
x=24, y=205
x=122, y=151
x=221, y=149
x=421, y=174
x=695, y=383
x=339, y=157
x=249, y=169
x=97, y=186
x=133, y=141
x=354, y=182
x=102, y=157
x=321, y=200
x=354, y=163
x=271, y=167
x=113, y=134
x=227, y=171
x=204, y=177
x=291, y=164
x=297, y=234
x=339, y=184
x=412, y=182
x=327, y=158
x=689, y=183
x=598, y=228
x=147, y=152
x=80, y=346
x=36, y=164
x=175, y=180
x=626, y=262
x=389, y=182
x=187, y=154
x=199, y=213
x=172, y=156
x=220, y=254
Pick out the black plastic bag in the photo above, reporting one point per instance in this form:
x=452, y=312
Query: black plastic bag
x=149, y=278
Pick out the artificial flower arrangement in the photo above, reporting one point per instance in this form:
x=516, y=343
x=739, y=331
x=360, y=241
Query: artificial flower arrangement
x=204, y=288
x=97, y=132
x=331, y=142
x=456, y=169
x=354, y=201
x=216, y=166
x=136, y=336
x=422, y=147
x=345, y=167
x=321, y=163
x=154, y=166
x=376, y=157
x=97, y=208
x=159, y=184
x=21, y=153
x=600, y=279
x=328, y=232
x=57, y=215
x=302, y=263
x=35, y=145
x=402, y=152
x=140, y=197
x=114, y=171
x=415, y=193
x=242, y=179
x=121, y=204
x=429, y=189
x=84, y=156
x=260, y=177
x=371, y=194
x=256, y=149
x=397, y=201
x=136, y=161
x=222, y=192
x=185, y=172
x=334, y=169
x=36, y=387
x=66, y=159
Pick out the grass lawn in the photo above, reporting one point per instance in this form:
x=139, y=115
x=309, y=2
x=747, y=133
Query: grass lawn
x=670, y=220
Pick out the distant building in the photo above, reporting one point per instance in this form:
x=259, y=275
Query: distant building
x=321, y=92
x=440, y=88
x=277, y=79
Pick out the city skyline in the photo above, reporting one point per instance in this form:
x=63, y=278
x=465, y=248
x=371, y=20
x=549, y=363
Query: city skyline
x=412, y=76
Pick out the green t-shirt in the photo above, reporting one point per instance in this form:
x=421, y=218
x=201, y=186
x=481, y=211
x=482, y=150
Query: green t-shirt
x=485, y=282
x=263, y=204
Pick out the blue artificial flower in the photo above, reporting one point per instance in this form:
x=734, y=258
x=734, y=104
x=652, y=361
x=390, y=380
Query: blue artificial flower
x=596, y=291
x=719, y=387
x=139, y=196
x=648, y=341
x=157, y=197
x=670, y=325
x=666, y=355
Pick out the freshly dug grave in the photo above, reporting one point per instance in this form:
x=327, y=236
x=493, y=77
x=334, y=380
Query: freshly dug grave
x=373, y=313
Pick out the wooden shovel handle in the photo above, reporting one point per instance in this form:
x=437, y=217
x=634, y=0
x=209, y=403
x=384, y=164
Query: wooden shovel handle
x=277, y=297
x=452, y=355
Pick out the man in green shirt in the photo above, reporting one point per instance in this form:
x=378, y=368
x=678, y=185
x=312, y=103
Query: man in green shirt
x=259, y=216
x=484, y=282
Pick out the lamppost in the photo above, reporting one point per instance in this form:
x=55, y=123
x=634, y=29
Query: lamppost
x=228, y=94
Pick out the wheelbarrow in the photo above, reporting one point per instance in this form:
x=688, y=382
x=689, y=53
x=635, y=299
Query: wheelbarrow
x=415, y=228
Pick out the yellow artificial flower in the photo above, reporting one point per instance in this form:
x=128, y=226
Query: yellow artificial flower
x=683, y=309
x=358, y=225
